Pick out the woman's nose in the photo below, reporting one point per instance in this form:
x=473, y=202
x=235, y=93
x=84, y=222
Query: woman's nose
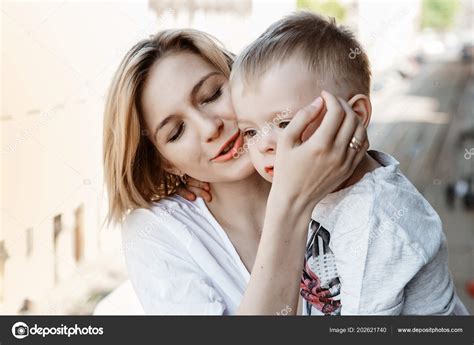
x=211, y=127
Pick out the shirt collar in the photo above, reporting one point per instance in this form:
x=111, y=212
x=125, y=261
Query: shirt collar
x=383, y=158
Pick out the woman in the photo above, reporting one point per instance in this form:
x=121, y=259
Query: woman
x=168, y=116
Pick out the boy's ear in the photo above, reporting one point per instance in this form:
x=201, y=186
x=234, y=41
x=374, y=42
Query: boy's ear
x=362, y=107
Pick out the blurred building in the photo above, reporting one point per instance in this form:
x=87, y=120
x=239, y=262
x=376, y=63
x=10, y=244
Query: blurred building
x=57, y=62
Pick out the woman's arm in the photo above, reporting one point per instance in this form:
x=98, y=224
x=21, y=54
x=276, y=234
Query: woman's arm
x=305, y=172
x=275, y=279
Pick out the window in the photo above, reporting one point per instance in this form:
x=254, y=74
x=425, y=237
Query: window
x=57, y=228
x=29, y=241
x=79, y=233
x=3, y=259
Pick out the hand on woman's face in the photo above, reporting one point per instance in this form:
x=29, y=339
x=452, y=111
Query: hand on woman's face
x=189, y=114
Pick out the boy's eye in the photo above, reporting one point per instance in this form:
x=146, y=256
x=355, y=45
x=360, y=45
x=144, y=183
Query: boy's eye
x=176, y=134
x=283, y=123
x=250, y=133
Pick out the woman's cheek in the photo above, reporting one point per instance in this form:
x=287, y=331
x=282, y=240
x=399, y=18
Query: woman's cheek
x=187, y=158
x=179, y=156
x=224, y=106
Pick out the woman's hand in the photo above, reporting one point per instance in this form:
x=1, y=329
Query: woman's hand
x=306, y=171
x=194, y=188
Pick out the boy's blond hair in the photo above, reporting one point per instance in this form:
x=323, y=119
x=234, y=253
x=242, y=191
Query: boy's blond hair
x=330, y=51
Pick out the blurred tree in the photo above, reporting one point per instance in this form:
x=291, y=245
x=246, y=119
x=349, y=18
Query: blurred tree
x=438, y=14
x=331, y=8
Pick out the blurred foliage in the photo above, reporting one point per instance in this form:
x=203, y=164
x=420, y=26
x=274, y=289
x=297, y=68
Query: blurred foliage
x=438, y=14
x=331, y=8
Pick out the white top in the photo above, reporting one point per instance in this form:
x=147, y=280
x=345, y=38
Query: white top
x=181, y=261
x=121, y=301
x=382, y=250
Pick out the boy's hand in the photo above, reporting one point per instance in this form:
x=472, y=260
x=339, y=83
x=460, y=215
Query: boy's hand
x=194, y=188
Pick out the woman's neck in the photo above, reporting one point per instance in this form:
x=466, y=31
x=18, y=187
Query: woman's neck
x=240, y=204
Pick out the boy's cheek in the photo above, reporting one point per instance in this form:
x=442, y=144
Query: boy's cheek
x=254, y=158
x=265, y=175
x=258, y=164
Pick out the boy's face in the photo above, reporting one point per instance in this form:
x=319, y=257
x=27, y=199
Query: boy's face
x=265, y=108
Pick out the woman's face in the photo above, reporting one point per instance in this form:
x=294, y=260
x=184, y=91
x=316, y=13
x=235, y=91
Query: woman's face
x=189, y=115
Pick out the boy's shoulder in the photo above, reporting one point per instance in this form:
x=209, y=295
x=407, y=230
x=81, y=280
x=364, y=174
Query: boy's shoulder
x=376, y=189
x=383, y=199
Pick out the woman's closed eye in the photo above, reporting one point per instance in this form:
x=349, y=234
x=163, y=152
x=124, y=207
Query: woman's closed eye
x=180, y=127
x=176, y=133
x=215, y=95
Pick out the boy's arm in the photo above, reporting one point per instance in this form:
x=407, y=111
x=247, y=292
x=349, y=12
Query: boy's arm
x=376, y=269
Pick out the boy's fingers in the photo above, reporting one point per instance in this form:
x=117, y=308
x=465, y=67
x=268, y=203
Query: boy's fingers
x=198, y=184
x=185, y=193
x=200, y=192
x=301, y=120
x=332, y=120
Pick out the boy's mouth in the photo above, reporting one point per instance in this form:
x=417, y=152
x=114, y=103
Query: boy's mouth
x=269, y=170
x=229, y=148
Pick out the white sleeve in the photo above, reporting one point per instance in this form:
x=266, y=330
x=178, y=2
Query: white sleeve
x=165, y=277
x=374, y=271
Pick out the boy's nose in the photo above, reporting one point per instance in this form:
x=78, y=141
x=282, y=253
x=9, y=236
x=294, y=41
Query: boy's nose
x=267, y=143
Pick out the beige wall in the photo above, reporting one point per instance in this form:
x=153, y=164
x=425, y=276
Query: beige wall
x=57, y=60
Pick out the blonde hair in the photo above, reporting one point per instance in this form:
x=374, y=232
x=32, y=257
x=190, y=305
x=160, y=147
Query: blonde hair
x=133, y=169
x=328, y=49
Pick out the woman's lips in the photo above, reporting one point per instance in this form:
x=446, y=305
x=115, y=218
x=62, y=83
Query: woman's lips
x=238, y=142
x=269, y=170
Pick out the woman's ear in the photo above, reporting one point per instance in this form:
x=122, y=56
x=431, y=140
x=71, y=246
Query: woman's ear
x=362, y=107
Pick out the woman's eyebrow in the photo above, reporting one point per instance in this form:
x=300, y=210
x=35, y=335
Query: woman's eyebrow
x=194, y=91
x=162, y=124
x=198, y=85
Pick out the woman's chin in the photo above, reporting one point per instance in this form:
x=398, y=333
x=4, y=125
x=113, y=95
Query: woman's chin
x=232, y=171
x=242, y=168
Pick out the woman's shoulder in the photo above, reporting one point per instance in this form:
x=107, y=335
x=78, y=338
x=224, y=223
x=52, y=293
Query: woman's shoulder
x=169, y=207
x=175, y=203
x=169, y=217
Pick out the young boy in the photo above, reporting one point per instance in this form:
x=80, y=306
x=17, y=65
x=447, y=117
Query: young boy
x=375, y=246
